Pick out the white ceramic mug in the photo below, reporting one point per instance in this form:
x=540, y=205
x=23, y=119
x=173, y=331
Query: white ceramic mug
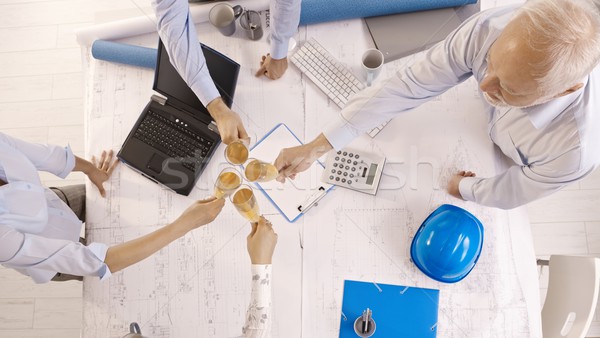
x=372, y=62
x=223, y=16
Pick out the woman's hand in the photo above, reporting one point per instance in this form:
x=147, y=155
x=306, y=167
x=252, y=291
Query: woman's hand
x=102, y=169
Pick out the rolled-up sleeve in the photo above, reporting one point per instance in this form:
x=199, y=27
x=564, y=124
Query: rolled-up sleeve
x=57, y=160
x=520, y=185
x=286, y=17
x=178, y=33
x=27, y=251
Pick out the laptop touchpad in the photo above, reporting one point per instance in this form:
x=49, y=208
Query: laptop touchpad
x=156, y=163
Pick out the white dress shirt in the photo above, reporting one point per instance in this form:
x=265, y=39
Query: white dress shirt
x=181, y=41
x=552, y=144
x=39, y=233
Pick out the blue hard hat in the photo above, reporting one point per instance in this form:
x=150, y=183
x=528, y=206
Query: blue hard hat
x=448, y=243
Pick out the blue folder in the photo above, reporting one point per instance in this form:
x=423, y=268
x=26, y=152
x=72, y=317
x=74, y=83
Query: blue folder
x=398, y=311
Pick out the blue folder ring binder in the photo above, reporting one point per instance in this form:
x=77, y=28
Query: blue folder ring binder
x=398, y=310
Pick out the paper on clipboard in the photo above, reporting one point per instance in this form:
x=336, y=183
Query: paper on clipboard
x=294, y=197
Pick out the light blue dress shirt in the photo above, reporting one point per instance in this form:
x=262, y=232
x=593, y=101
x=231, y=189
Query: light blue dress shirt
x=178, y=33
x=551, y=145
x=39, y=233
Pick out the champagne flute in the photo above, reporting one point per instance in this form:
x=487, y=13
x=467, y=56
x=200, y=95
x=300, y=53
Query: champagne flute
x=260, y=171
x=245, y=202
x=229, y=179
x=237, y=152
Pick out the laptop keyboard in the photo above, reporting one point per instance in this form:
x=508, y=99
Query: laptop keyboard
x=173, y=139
x=330, y=76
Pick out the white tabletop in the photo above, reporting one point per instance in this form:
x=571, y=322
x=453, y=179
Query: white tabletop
x=199, y=286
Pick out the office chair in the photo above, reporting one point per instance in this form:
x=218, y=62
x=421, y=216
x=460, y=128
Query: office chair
x=573, y=287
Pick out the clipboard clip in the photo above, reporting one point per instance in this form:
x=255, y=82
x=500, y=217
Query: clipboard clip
x=312, y=200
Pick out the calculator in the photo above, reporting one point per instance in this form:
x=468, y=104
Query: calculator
x=354, y=170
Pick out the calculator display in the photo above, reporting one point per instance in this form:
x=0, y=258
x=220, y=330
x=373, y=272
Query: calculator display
x=371, y=175
x=354, y=170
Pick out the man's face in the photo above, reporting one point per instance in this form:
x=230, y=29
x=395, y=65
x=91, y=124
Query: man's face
x=509, y=81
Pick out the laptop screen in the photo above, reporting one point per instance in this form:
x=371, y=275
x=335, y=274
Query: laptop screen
x=168, y=82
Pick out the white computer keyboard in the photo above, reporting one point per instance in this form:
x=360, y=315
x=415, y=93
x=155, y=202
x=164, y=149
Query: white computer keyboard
x=331, y=76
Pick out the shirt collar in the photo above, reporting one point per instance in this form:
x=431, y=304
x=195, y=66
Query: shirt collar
x=541, y=115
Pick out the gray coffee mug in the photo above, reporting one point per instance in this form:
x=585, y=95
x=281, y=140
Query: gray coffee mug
x=223, y=17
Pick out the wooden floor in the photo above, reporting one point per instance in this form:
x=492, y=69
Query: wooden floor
x=41, y=100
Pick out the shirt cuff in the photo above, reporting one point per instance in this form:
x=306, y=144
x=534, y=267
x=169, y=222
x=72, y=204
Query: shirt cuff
x=465, y=187
x=70, y=163
x=279, y=49
x=340, y=133
x=206, y=91
x=99, y=250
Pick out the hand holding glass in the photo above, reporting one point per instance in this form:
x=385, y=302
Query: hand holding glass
x=245, y=202
x=260, y=171
x=229, y=179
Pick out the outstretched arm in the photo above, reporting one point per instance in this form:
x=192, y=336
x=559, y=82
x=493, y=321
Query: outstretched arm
x=520, y=185
x=261, y=244
x=178, y=33
x=199, y=213
x=25, y=251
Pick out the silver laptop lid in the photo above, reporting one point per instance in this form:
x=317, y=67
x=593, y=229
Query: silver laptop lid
x=399, y=35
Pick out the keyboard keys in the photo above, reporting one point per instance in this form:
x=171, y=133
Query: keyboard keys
x=325, y=71
x=173, y=139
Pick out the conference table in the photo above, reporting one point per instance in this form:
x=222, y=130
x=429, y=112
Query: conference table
x=199, y=285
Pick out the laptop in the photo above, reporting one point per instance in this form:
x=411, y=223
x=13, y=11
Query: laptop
x=175, y=136
x=399, y=35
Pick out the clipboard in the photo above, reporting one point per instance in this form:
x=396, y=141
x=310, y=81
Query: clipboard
x=294, y=197
x=398, y=311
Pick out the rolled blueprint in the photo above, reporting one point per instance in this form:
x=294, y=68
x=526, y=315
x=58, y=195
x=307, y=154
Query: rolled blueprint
x=146, y=23
x=123, y=53
x=316, y=11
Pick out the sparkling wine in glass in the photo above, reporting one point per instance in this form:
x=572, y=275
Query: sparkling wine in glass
x=245, y=202
x=259, y=171
x=237, y=152
x=229, y=179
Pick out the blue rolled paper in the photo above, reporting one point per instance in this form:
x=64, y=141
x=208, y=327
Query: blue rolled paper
x=125, y=54
x=316, y=11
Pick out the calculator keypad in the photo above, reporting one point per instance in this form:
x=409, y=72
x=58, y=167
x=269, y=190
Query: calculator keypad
x=345, y=169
